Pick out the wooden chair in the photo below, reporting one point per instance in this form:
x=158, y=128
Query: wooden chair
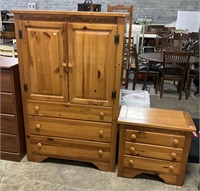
x=193, y=74
x=8, y=36
x=127, y=47
x=141, y=69
x=175, y=67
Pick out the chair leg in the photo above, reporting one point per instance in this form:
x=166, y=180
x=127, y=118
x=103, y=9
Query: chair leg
x=161, y=87
x=156, y=85
x=134, y=81
x=180, y=90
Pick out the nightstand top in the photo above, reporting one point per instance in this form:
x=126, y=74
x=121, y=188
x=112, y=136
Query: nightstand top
x=156, y=118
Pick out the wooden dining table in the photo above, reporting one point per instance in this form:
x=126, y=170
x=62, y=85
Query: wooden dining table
x=157, y=57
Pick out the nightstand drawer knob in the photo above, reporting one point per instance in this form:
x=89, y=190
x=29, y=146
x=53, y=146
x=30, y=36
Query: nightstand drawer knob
x=100, y=133
x=132, y=149
x=173, y=155
x=37, y=127
x=131, y=163
x=175, y=141
x=171, y=167
x=100, y=153
x=36, y=108
x=39, y=145
x=133, y=137
x=101, y=114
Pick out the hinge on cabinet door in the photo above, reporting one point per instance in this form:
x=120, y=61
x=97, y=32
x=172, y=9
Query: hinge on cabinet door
x=116, y=39
x=113, y=94
x=20, y=34
x=25, y=87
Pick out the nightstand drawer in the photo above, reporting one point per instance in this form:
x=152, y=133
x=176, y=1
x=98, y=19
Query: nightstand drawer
x=9, y=143
x=6, y=81
x=8, y=124
x=70, y=111
x=153, y=151
x=160, y=166
x=7, y=103
x=75, y=129
x=161, y=139
x=70, y=149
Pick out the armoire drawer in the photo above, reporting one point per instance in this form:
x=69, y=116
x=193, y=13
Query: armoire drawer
x=7, y=103
x=70, y=149
x=6, y=81
x=148, y=164
x=9, y=143
x=61, y=110
x=171, y=140
x=153, y=151
x=8, y=123
x=73, y=129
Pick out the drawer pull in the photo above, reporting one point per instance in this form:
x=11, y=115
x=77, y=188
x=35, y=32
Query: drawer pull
x=175, y=141
x=133, y=137
x=131, y=163
x=132, y=149
x=39, y=145
x=101, y=114
x=100, y=133
x=36, y=108
x=37, y=127
x=171, y=167
x=100, y=153
x=173, y=155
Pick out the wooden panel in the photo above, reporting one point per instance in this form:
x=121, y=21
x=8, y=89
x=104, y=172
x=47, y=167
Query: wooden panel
x=69, y=148
x=154, y=165
x=70, y=129
x=8, y=124
x=91, y=48
x=6, y=80
x=7, y=103
x=43, y=45
x=153, y=151
x=170, y=140
x=9, y=143
x=69, y=111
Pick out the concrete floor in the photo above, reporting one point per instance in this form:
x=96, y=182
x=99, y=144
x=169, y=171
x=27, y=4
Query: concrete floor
x=63, y=175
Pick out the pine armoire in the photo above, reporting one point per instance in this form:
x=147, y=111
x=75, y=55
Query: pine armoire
x=70, y=73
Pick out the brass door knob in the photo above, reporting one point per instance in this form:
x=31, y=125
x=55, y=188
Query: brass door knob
x=70, y=65
x=64, y=65
x=173, y=155
x=36, y=108
x=171, y=167
x=133, y=137
x=100, y=153
x=175, y=141
x=101, y=133
x=131, y=163
x=37, y=127
x=101, y=114
x=132, y=150
x=39, y=145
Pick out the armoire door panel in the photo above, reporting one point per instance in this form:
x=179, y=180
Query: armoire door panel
x=45, y=60
x=91, y=63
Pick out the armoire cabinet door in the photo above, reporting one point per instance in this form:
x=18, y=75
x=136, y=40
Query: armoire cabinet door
x=44, y=62
x=91, y=63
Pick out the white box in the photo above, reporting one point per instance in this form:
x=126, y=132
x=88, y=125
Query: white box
x=138, y=98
